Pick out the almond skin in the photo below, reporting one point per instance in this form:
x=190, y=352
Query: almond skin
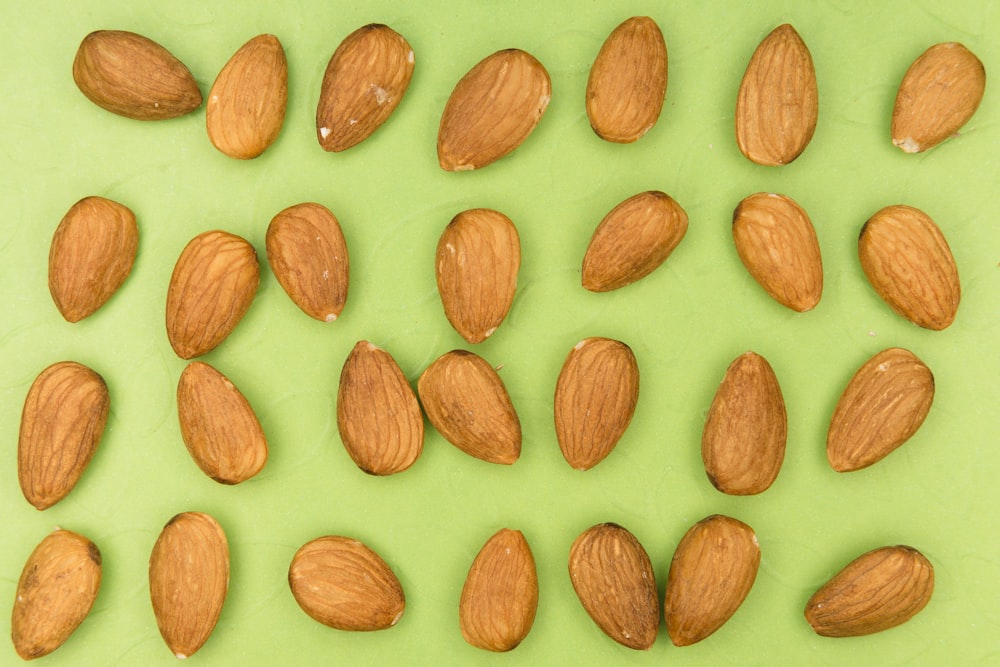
x=492, y=110
x=133, y=76
x=633, y=240
x=56, y=591
x=881, y=408
x=778, y=102
x=877, y=591
x=364, y=83
x=478, y=257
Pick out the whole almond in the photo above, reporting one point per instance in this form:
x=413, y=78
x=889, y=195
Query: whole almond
x=596, y=395
x=378, y=416
x=711, y=573
x=778, y=101
x=478, y=257
x=938, y=95
x=777, y=243
x=364, y=83
x=56, y=591
x=308, y=254
x=133, y=76
x=342, y=583
x=908, y=262
x=492, y=110
x=614, y=580
x=91, y=255
x=63, y=419
x=881, y=408
x=877, y=591
x=246, y=105
x=633, y=240
x=188, y=580
x=500, y=595
x=211, y=289
x=628, y=81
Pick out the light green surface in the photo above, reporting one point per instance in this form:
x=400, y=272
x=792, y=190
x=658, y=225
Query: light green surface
x=685, y=322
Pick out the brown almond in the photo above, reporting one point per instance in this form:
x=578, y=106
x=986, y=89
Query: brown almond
x=56, y=591
x=133, y=76
x=500, y=595
x=364, y=83
x=492, y=110
x=881, y=408
x=877, y=591
x=633, y=240
x=778, y=101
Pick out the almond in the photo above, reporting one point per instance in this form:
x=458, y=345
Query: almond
x=877, y=591
x=712, y=571
x=466, y=401
x=908, y=262
x=777, y=243
x=308, y=254
x=211, y=289
x=613, y=578
x=91, y=255
x=938, y=95
x=342, y=583
x=492, y=110
x=628, y=81
x=364, y=83
x=188, y=580
x=500, y=595
x=246, y=105
x=63, y=419
x=56, y=591
x=378, y=416
x=632, y=241
x=478, y=257
x=881, y=408
x=133, y=76
x=596, y=395
x=778, y=102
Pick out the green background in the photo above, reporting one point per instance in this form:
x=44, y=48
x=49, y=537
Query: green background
x=685, y=323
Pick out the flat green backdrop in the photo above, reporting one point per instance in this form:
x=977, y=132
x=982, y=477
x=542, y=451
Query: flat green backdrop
x=685, y=322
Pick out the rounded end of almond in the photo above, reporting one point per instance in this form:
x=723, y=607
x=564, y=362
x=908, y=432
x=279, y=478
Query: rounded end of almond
x=908, y=145
x=330, y=317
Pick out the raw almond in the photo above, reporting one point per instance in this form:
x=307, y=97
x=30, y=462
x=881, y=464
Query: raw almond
x=881, y=408
x=877, y=591
x=777, y=243
x=364, y=83
x=478, y=257
x=378, y=416
x=628, y=81
x=500, y=595
x=91, y=255
x=492, y=110
x=908, y=262
x=467, y=403
x=133, y=76
x=778, y=101
x=614, y=580
x=596, y=395
x=712, y=571
x=56, y=591
x=188, y=580
x=633, y=240
x=63, y=420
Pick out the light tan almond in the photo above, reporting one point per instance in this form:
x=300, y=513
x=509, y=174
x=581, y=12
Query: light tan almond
x=63, y=419
x=881, y=408
x=56, y=591
x=778, y=101
x=492, y=110
x=133, y=76
x=308, y=254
